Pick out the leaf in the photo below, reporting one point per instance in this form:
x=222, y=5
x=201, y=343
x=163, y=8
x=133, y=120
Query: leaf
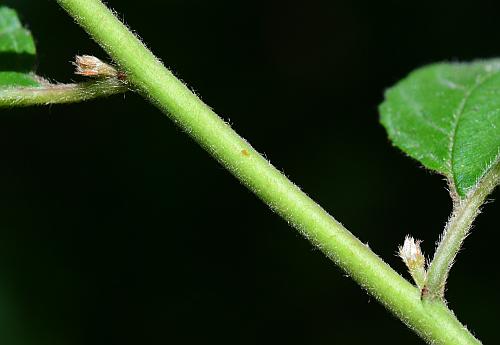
x=447, y=116
x=17, y=51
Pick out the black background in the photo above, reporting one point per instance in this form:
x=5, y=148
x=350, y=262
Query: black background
x=116, y=228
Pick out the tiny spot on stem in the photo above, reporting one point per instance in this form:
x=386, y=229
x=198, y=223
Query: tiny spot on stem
x=245, y=153
x=424, y=292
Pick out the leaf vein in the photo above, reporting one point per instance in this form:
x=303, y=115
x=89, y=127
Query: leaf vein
x=418, y=112
x=457, y=116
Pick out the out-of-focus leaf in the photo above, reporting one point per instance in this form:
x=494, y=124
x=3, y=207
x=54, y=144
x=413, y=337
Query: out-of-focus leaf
x=17, y=51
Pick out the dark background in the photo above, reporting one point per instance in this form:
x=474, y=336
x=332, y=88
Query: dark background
x=116, y=228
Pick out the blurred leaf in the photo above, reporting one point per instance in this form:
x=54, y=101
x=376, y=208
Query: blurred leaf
x=17, y=51
x=8, y=79
x=447, y=116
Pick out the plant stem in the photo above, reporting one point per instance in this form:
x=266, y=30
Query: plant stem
x=430, y=319
x=59, y=93
x=464, y=212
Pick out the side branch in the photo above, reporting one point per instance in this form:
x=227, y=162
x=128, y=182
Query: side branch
x=60, y=93
x=457, y=228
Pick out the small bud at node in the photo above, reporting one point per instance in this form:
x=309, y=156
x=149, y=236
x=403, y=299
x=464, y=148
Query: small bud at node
x=90, y=66
x=410, y=252
x=413, y=258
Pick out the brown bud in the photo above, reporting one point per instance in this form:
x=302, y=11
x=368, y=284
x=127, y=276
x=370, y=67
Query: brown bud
x=90, y=66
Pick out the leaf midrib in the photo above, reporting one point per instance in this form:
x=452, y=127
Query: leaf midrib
x=457, y=117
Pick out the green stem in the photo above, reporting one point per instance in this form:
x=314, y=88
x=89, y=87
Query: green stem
x=431, y=319
x=59, y=93
x=458, y=226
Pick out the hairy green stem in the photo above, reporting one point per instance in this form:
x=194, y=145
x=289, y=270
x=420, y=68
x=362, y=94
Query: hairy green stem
x=431, y=319
x=59, y=93
x=458, y=226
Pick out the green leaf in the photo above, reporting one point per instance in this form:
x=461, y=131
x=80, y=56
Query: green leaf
x=9, y=79
x=447, y=116
x=17, y=51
